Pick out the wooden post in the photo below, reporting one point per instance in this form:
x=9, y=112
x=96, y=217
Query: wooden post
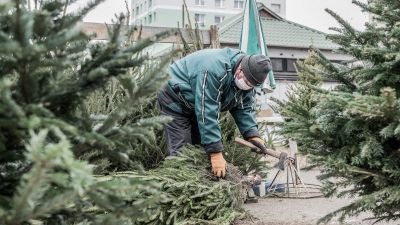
x=183, y=16
x=214, y=36
x=294, y=152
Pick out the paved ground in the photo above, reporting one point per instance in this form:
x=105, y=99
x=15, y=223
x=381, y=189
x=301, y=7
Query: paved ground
x=275, y=211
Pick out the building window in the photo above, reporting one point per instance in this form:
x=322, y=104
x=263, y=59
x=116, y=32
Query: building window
x=276, y=8
x=199, y=2
x=154, y=17
x=291, y=65
x=277, y=65
x=218, y=19
x=284, y=65
x=199, y=19
x=238, y=4
x=219, y=3
x=137, y=10
x=150, y=3
x=145, y=20
x=141, y=8
x=150, y=18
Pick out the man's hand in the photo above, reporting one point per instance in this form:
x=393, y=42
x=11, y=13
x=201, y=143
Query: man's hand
x=259, y=143
x=218, y=164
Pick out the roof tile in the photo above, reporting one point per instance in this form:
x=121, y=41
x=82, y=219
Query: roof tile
x=277, y=32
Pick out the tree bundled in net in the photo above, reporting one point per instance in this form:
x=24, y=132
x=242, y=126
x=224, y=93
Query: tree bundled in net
x=194, y=195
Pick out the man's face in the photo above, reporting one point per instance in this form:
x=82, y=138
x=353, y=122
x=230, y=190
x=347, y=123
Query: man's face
x=239, y=74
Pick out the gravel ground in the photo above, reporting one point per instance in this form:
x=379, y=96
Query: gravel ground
x=283, y=211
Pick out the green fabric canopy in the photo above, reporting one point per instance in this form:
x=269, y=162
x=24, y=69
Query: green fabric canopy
x=252, y=39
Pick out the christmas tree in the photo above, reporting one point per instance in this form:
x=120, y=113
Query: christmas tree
x=353, y=132
x=49, y=69
x=77, y=122
x=193, y=194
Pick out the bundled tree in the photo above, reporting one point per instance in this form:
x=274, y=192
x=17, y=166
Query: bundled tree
x=352, y=132
x=194, y=196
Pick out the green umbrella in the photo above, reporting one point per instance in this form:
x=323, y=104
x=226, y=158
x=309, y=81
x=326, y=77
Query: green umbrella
x=252, y=40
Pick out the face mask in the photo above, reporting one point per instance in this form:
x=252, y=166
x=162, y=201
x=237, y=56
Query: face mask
x=241, y=84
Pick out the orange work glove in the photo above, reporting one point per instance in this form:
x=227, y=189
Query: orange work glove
x=218, y=164
x=259, y=143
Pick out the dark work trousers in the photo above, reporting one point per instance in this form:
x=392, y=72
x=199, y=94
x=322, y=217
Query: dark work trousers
x=183, y=129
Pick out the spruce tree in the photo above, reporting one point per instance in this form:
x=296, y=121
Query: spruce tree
x=49, y=69
x=353, y=132
x=77, y=119
x=193, y=194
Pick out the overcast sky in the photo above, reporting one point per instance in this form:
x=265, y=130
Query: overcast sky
x=312, y=13
x=306, y=12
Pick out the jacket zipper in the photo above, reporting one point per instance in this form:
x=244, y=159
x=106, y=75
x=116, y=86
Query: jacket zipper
x=241, y=100
x=219, y=95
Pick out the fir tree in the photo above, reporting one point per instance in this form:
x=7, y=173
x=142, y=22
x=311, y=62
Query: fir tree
x=65, y=99
x=195, y=196
x=352, y=131
x=49, y=69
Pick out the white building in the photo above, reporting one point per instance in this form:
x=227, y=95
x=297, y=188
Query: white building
x=168, y=13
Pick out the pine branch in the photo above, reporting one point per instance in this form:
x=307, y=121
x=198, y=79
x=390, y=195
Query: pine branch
x=67, y=22
x=362, y=5
x=35, y=184
x=135, y=93
x=346, y=26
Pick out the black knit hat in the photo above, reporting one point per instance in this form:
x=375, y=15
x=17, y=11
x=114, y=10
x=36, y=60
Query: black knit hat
x=256, y=68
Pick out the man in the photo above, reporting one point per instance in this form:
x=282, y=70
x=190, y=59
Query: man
x=202, y=85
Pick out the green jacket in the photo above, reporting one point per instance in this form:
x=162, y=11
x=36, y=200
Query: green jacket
x=205, y=80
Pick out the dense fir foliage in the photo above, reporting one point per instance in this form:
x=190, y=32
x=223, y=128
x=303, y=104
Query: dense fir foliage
x=193, y=194
x=150, y=153
x=353, y=131
x=76, y=114
x=48, y=71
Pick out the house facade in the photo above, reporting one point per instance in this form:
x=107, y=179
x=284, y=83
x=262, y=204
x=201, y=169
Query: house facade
x=168, y=13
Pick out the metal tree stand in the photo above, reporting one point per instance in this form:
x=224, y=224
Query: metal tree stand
x=294, y=186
